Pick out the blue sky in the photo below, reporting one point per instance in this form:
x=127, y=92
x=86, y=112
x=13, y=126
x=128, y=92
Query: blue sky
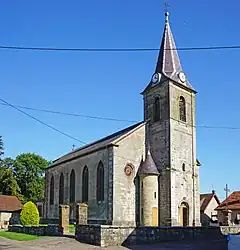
x=109, y=84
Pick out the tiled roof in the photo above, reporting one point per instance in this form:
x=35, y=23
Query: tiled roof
x=232, y=202
x=104, y=142
x=9, y=203
x=205, y=199
x=148, y=166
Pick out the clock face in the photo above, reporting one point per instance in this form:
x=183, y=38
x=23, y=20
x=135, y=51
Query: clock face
x=182, y=77
x=156, y=78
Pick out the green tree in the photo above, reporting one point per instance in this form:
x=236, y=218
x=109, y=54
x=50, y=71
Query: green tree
x=29, y=215
x=8, y=182
x=29, y=171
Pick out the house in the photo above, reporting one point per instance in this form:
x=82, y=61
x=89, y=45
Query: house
x=229, y=210
x=208, y=203
x=10, y=208
x=120, y=176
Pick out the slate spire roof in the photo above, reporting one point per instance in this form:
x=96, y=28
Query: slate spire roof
x=168, y=63
x=148, y=166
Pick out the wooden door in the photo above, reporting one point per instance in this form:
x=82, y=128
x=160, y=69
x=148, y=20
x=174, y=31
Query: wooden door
x=154, y=216
x=183, y=214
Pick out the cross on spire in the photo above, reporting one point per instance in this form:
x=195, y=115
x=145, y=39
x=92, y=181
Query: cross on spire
x=166, y=6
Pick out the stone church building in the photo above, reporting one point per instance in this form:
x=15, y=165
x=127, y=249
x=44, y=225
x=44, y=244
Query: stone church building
x=146, y=174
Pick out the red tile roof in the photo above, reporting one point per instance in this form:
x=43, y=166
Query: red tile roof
x=232, y=202
x=205, y=199
x=9, y=203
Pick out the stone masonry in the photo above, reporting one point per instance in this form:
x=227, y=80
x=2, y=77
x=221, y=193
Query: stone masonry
x=81, y=214
x=149, y=199
x=173, y=148
x=107, y=235
x=64, y=219
x=175, y=140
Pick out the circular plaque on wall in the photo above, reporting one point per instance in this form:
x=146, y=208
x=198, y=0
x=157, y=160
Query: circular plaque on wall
x=128, y=170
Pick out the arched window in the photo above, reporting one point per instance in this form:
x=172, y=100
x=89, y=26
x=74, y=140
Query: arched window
x=182, y=109
x=61, y=189
x=100, y=182
x=52, y=191
x=85, y=185
x=72, y=186
x=156, y=111
x=183, y=167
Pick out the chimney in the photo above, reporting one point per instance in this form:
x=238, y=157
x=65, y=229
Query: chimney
x=213, y=192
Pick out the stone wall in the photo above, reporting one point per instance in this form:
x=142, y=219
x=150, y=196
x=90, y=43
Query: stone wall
x=183, y=151
x=160, y=146
x=4, y=219
x=90, y=234
x=225, y=230
x=118, y=235
x=49, y=230
x=97, y=211
x=129, y=151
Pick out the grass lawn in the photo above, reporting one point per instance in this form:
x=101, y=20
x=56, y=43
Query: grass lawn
x=71, y=228
x=18, y=236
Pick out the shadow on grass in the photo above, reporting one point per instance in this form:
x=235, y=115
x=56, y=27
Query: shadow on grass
x=18, y=236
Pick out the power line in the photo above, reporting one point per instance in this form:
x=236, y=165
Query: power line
x=71, y=114
x=115, y=49
x=43, y=123
x=109, y=118
x=59, y=131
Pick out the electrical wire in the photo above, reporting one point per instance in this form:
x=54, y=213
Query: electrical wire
x=115, y=49
x=112, y=119
x=71, y=114
x=43, y=123
x=74, y=138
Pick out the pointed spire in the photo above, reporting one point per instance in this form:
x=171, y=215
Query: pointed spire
x=148, y=167
x=168, y=62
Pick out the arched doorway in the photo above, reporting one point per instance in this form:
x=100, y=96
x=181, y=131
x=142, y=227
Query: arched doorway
x=184, y=214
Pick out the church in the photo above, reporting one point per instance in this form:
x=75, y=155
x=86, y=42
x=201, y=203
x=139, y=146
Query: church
x=146, y=174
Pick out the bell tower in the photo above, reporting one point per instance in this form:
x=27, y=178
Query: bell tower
x=169, y=109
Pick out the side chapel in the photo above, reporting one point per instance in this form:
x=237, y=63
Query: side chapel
x=146, y=174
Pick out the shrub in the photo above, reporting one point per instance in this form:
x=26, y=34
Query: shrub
x=30, y=215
